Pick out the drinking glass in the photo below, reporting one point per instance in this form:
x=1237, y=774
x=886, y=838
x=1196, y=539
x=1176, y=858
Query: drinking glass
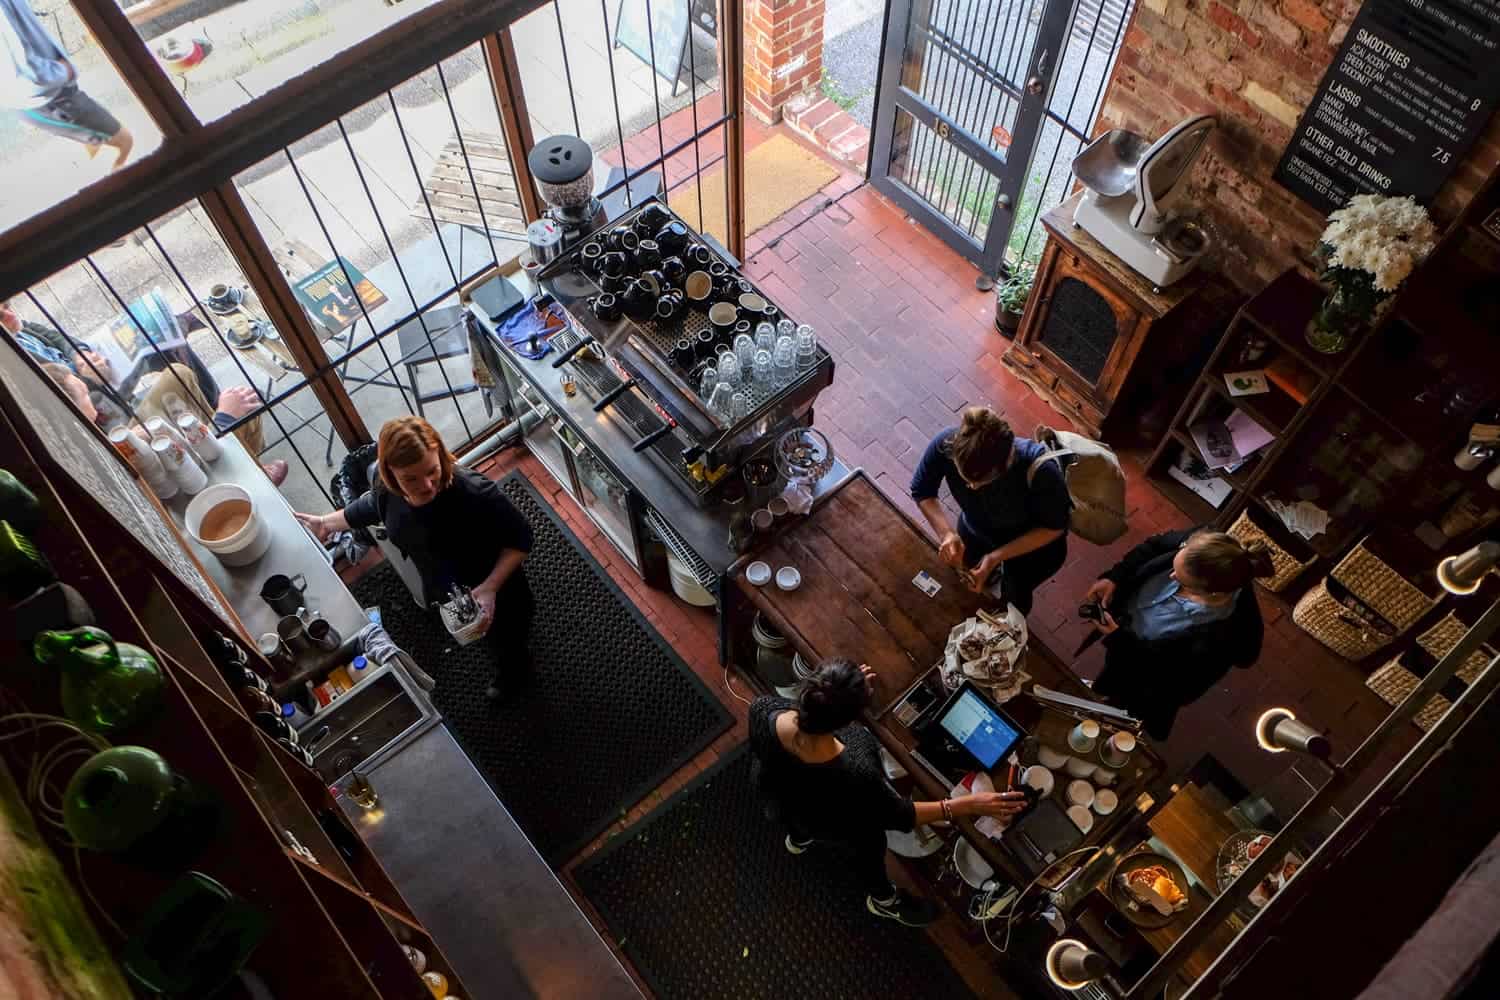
x=807, y=347
x=762, y=369
x=744, y=352
x=729, y=368
x=706, y=383
x=739, y=407
x=785, y=328
x=785, y=363
x=721, y=399
x=765, y=338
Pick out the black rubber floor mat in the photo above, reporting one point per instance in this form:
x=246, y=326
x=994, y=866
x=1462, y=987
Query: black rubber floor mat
x=707, y=902
x=610, y=712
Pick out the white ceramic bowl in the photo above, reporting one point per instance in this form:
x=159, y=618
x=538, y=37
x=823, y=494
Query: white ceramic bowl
x=787, y=578
x=243, y=547
x=1105, y=801
x=1104, y=776
x=972, y=868
x=1050, y=758
x=1079, y=768
x=1080, y=793
x=1081, y=817
x=758, y=573
x=1038, y=777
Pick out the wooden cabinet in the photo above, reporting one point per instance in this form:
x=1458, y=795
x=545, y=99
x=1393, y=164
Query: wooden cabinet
x=1097, y=341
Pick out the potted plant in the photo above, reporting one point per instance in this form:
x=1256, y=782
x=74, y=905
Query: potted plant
x=1011, y=296
x=1367, y=251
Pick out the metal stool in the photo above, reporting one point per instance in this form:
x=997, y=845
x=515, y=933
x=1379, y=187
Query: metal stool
x=443, y=337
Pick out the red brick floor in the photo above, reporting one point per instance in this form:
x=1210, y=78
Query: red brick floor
x=913, y=342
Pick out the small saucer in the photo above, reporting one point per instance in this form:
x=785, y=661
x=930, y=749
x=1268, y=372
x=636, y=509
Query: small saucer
x=758, y=573
x=787, y=578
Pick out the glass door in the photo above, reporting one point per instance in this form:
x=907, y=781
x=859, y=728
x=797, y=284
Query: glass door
x=607, y=502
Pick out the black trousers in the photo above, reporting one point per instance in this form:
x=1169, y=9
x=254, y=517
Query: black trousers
x=866, y=851
x=510, y=633
x=1023, y=574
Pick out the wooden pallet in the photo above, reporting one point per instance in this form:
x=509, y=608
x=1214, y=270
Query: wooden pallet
x=450, y=189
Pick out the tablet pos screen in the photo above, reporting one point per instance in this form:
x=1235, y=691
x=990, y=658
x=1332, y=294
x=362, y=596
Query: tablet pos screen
x=972, y=722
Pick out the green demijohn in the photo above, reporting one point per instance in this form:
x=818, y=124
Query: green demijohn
x=118, y=797
x=106, y=686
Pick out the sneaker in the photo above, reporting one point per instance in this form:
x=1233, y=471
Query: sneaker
x=913, y=911
x=797, y=846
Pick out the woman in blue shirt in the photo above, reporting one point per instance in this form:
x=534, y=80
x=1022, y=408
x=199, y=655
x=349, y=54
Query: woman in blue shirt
x=1180, y=613
x=1008, y=519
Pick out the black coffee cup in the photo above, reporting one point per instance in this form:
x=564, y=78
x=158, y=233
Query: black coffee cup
x=700, y=255
x=657, y=281
x=674, y=270
x=650, y=220
x=718, y=269
x=285, y=594
x=684, y=353
x=606, y=306
x=647, y=255
x=673, y=238
x=590, y=255
x=670, y=306
x=770, y=314
x=639, y=300
x=743, y=326
x=722, y=317
x=613, y=263
x=705, y=345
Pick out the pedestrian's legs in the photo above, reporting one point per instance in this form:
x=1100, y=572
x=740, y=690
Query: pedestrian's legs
x=510, y=637
x=869, y=862
x=1023, y=574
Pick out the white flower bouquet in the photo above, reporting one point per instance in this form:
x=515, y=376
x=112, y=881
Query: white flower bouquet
x=1368, y=249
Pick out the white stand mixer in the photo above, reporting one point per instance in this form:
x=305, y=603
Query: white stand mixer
x=1130, y=182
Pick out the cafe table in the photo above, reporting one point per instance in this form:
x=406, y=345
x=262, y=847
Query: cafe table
x=858, y=554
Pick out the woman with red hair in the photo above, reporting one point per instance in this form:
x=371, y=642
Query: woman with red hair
x=455, y=526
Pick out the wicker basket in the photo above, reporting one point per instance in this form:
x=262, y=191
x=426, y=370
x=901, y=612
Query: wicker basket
x=1444, y=636
x=1393, y=683
x=1286, y=565
x=1381, y=605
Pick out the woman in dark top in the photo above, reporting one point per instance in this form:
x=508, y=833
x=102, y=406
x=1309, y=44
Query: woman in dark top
x=1009, y=517
x=454, y=525
x=1180, y=614
x=821, y=775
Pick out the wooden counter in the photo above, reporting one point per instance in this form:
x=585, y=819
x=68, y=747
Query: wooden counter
x=857, y=553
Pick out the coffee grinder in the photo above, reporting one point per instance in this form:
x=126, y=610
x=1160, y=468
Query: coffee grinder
x=563, y=167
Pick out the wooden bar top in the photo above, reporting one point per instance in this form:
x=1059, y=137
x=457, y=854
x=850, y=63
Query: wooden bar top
x=857, y=553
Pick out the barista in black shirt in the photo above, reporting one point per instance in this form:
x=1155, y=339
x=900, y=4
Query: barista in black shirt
x=454, y=525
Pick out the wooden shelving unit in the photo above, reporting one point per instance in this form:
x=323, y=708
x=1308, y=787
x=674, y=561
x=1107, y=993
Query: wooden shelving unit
x=1369, y=434
x=337, y=923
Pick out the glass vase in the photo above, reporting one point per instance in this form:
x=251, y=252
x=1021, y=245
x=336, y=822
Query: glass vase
x=1335, y=325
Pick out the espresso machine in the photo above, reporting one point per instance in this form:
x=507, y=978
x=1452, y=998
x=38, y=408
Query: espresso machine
x=563, y=168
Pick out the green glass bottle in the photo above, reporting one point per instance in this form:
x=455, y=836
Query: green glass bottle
x=18, y=504
x=118, y=797
x=106, y=686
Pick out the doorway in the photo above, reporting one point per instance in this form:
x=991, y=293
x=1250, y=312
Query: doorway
x=981, y=105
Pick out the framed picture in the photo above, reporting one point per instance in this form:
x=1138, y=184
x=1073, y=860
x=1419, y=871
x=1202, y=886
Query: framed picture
x=1247, y=383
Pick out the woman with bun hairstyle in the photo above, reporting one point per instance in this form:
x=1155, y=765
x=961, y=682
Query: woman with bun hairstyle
x=1009, y=518
x=1179, y=613
x=820, y=774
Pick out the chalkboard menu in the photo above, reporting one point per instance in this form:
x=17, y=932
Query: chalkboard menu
x=1412, y=86
x=657, y=32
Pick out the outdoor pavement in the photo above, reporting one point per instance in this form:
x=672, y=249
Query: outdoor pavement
x=851, y=55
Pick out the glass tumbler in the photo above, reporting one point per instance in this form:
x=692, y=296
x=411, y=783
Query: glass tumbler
x=762, y=369
x=785, y=328
x=729, y=369
x=765, y=338
x=744, y=352
x=721, y=399
x=784, y=363
x=707, y=381
x=807, y=347
x=739, y=407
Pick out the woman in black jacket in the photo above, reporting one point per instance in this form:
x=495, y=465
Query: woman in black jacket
x=1180, y=612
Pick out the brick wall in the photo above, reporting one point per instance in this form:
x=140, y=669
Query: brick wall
x=783, y=53
x=1255, y=64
